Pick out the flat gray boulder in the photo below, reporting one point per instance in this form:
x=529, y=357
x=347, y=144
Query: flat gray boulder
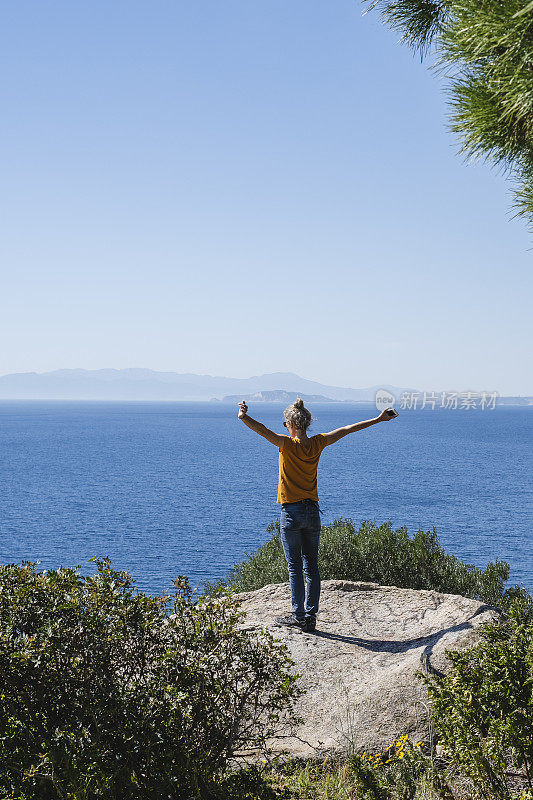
x=359, y=669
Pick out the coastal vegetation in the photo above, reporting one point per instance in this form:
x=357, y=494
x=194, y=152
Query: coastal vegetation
x=379, y=554
x=110, y=693
x=483, y=711
x=106, y=692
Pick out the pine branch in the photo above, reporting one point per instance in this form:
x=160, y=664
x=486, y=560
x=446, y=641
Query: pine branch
x=485, y=48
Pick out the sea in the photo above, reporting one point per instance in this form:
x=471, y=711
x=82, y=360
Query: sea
x=178, y=488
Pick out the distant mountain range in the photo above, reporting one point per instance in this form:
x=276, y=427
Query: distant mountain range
x=147, y=384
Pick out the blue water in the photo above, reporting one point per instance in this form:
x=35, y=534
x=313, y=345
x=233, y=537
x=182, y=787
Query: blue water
x=185, y=488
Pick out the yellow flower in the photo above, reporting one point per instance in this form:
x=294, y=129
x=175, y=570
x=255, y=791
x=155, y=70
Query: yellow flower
x=401, y=755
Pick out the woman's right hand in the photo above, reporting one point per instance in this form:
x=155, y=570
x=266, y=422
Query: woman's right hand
x=243, y=409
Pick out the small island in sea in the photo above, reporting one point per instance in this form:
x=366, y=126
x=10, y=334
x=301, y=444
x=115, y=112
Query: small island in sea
x=276, y=396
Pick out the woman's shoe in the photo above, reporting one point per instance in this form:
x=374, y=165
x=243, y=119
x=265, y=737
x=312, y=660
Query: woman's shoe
x=310, y=624
x=290, y=621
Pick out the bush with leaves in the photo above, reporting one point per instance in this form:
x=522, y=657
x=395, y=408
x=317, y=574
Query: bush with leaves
x=110, y=693
x=378, y=554
x=483, y=711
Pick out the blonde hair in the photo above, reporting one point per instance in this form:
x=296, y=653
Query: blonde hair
x=298, y=415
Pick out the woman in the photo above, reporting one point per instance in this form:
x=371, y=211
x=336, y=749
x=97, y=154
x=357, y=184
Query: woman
x=298, y=496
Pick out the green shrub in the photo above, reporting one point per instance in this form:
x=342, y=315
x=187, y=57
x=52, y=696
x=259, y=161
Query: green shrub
x=110, y=693
x=378, y=554
x=483, y=711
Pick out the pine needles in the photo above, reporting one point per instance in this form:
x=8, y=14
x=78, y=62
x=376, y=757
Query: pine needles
x=485, y=48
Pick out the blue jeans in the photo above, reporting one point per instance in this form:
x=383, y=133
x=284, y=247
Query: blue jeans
x=300, y=533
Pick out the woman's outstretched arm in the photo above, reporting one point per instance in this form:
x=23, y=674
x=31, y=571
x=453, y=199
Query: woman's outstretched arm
x=258, y=427
x=334, y=436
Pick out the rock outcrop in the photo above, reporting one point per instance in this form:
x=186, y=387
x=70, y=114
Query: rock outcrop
x=359, y=669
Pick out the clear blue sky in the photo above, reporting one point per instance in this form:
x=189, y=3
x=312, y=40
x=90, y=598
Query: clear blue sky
x=247, y=186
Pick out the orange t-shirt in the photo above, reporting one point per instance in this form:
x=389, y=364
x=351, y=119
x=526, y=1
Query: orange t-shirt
x=297, y=468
